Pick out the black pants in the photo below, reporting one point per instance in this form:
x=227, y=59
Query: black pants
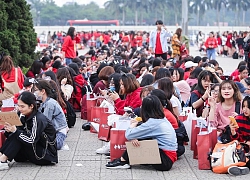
x=166, y=162
x=163, y=56
x=20, y=152
x=180, y=150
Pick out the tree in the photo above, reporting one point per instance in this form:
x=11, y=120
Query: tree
x=217, y=4
x=175, y=6
x=114, y=7
x=36, y=7
x=199, y=7
x=237, y=6
x=17, y=35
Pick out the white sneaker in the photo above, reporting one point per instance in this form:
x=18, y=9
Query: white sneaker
x=95, y=126
x=65, y=147
x=105, y=149
x=4, y=166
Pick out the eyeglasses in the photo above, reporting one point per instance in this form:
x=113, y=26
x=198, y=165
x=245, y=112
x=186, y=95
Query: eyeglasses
x=226, y=78
x=215, y=91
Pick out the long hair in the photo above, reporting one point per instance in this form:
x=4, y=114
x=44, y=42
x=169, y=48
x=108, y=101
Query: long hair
x=237, y=95
x=71, y=32
x=165, y=102
x=151, y=108
x=6, y=65
x=64, y=73
x=44, y=84
x=166, y=84
x=36, y=67
x=204, y=75
x=130, y=83
x=178, y=32
x=58, y=94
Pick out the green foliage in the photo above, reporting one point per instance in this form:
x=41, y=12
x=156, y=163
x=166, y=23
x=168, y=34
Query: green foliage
x=47, y=13
x=17, y=36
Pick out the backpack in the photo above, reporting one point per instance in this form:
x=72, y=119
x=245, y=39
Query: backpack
x=246, y=46
x=181, y=134
x=70, y=115
x=87, y=87
x=235, y=55
x=227, y=155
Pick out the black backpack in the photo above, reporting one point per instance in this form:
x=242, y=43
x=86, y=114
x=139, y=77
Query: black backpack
x=71, y=115
x=246, y=46
x=235, y=55
x=85, y=88
x=181, y=134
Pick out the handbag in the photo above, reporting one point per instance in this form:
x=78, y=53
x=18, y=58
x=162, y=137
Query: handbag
x=206, y=141
x=98, y=114
x=117, y=143
x=46, y=144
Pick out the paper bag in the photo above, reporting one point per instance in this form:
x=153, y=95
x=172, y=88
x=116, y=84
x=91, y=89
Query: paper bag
x=146, y=153
x=104, y=132
x=104, y=128
x=197, y=125
x=90, y=103
x=205, y=145
x=117, y=143
x=2, y=138
x=98, y=114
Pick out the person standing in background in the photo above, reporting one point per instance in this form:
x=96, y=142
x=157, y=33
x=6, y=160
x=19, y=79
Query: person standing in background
x=158, y=44
x=211, y=44
x=176, y=43
x=69, y=46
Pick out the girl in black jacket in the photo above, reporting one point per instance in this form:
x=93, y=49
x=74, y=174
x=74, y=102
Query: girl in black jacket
x=34, y=141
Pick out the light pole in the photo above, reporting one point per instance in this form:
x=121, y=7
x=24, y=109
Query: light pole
x=184, y=17
x=38, y=18
x=121, y=5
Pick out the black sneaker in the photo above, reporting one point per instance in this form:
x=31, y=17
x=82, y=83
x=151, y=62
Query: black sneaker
x=117, y=164
x=236, y=171
x=107, y=154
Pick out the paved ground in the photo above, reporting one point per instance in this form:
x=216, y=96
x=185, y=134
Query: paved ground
x=81, y=162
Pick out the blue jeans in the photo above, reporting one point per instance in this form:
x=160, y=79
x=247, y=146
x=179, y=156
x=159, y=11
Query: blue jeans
x=60, y=138
x=211, y=54
x=68, y=61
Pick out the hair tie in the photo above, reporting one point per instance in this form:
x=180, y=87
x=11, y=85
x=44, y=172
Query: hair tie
x=53, y=90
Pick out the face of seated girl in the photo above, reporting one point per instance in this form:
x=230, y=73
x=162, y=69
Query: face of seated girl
x=24, y=109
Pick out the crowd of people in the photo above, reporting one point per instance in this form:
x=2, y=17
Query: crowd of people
x=153, y=73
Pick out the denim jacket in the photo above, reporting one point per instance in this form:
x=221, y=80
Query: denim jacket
x=159, y=129
x=163, y=38
x=53, y=111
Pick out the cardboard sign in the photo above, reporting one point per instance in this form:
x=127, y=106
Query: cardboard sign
x=10, y=117
x=147, y=153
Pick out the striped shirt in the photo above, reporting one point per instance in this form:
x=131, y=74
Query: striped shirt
x=243, y=132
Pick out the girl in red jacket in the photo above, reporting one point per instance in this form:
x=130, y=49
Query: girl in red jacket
x=69, y=46
x=129, y=87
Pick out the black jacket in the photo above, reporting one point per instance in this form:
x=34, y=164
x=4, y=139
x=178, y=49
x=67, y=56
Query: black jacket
x=36, y=131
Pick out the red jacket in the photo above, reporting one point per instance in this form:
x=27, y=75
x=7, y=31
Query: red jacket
x=11, y=78
x=132, y=100
x=30, y=74
x=211, y=43
x=80, y=81
x=69, y=47
x=139, y=40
